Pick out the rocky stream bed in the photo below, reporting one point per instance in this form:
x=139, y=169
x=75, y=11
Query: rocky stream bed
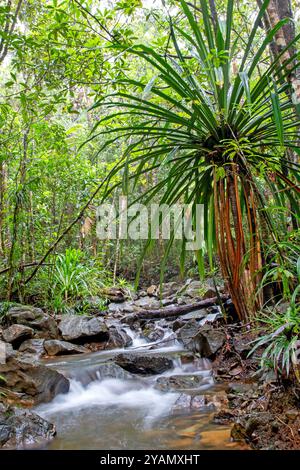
x=147, y=373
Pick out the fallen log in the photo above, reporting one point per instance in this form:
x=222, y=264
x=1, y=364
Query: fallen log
x=173, y=310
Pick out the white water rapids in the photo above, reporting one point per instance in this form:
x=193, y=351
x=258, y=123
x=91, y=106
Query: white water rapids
x=126, y=411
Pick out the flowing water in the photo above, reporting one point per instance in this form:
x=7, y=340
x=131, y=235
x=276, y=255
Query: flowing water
x=124, y=412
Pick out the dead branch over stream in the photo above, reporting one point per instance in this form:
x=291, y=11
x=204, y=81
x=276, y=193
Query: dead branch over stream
x=174, y=310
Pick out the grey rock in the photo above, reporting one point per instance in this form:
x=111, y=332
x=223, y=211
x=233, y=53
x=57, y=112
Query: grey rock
x=169, y=289
x=20, y=429
x=175, y=383
x=207, y=402
x=187, y=402
x=102, y=372
x=143, y=365
x=6, y=351
x=152, y=333
x=118, y=338
x=197, y=289
x=209, y=340
x=177, y=324
x=33, y=346
x=83, y=328
x=126, y=307
x=169, y=340
x=169, y=301
x=147, y=302
x=16, y=334
x=105, y=371
x=55, y=347
x=205, y=340
x=183, y=402
x=194, y=289
x=37, y=383
x=210, y=318
x=35, y=318
x=187, y=332
x=196, y=315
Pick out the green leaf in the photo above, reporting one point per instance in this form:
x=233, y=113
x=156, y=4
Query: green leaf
x=278, y=117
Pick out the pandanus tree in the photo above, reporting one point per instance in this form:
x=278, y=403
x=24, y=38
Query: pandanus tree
x=216, y=121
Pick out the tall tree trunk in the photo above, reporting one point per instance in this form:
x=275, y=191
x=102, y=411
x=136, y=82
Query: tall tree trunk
x=9, y=27
x=30, y=225
x=276, y=11
x=238, y=241
x=3, y=186
x=16, y=240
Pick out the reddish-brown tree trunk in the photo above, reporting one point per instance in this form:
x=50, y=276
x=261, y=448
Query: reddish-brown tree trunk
x=238, y=242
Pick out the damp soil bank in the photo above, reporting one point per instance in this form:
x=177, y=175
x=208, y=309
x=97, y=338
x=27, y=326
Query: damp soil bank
x=263, y=408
